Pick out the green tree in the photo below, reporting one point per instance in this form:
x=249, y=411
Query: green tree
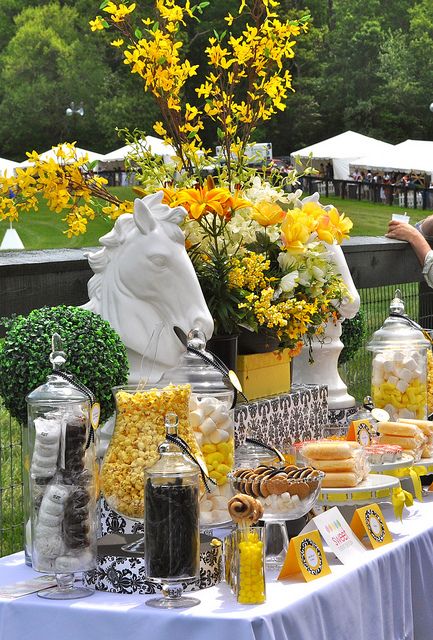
x=45, y=65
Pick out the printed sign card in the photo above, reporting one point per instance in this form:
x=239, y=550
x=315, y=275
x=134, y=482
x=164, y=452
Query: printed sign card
x=338, y=535
x=19, y=589
x=362, y=431
x=369, y=521
x=305, y=554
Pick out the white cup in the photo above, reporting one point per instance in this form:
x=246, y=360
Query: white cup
x=401, y=217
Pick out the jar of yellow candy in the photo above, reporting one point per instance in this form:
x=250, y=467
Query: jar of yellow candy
x=250, y=565
x=399, y=365
x=211, y=418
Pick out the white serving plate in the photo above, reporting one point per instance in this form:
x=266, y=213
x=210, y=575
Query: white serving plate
x=375, y=488
x=405, y=461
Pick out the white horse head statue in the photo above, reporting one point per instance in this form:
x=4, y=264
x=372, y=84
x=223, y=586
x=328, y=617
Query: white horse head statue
x=144, y=277
x=326, y=351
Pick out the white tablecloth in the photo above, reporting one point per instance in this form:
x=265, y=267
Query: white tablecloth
x=388, y=597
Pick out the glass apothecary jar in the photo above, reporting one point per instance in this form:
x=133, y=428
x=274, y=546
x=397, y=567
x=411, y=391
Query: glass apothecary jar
x=171, y=522
x=211, y=418
x=60, y=451
x=139, y=430
x=399, y=365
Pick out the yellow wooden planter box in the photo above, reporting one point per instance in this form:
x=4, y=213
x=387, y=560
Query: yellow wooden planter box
x=264, y=374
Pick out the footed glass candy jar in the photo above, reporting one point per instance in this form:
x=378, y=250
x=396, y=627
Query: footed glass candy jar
x=211, y=418
x=171, y=522
x=399, y=365
x=60, y=457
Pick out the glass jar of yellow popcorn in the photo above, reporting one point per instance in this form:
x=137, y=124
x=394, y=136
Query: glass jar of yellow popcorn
x=138, y=431
x=399, y=365
x=211, y=418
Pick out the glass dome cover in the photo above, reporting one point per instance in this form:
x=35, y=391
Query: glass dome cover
x=398, y=330
x=203, y=376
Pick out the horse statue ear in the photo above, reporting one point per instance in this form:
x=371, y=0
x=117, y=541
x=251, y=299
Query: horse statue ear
x=143, y=217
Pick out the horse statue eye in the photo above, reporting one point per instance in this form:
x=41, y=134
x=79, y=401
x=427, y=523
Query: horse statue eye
x=159, y=261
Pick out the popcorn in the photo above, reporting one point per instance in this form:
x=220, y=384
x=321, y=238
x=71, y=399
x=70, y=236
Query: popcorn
x=134, y=445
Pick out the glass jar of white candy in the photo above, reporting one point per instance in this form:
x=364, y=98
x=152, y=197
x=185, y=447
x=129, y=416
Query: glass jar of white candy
x=60, y=457
x=211, y=417
x=399, y=365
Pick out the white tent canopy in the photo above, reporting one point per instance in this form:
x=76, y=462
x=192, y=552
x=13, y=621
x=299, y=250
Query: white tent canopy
x=7, y=166
x=406, y=157
x=342, y=150
x=156, y=146
x=51, y=154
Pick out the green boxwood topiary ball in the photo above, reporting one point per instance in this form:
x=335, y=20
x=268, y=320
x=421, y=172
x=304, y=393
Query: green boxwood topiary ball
x=95, y=355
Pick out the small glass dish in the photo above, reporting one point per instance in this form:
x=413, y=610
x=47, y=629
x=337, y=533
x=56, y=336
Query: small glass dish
x=295, y=501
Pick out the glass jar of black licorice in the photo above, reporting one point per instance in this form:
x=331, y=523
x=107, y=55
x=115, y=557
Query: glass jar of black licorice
x=60, y=462
x=171, y=521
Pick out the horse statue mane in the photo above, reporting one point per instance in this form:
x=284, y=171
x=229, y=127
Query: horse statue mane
x=326, y=351
x=144, y=284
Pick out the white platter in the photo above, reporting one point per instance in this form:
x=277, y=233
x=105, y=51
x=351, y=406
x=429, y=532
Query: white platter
x=425, y=462
x=375, y=488
x=405, y=461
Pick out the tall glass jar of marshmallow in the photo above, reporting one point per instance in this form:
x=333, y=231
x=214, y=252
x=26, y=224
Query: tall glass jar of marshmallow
x=211, y=419
x=399, y=365
x=60, y=458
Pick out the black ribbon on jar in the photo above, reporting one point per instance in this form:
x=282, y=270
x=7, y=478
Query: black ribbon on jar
x=228, y=374
x=89, y=394
x=184, y=447
x=266, y=446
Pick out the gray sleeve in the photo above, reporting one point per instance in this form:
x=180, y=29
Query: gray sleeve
x=427, y=269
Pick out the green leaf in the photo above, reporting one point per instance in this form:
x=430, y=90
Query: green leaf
x=104, y=4
x=155, y=26
x=138, y=33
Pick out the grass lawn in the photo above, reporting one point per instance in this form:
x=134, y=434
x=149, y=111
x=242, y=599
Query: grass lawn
x=370, y=219
x=44, y=229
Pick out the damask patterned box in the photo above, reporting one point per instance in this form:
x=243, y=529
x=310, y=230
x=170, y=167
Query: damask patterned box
x=118, y=572
x=284, y=419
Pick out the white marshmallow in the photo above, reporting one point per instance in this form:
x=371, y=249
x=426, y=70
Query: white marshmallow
x=402, y=385
x=393, y=380
x=196, y=418
x=410, y=364
x=220, y=413
x=207, y=405
x=405, y=374
x=199, y=438
x=207, y=427
x=215, y=437
x=193, y=402
x=227, y=425
x=224, y=435
x=388, y=365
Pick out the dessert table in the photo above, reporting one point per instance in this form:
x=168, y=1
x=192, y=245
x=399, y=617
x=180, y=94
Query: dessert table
x=387, y=597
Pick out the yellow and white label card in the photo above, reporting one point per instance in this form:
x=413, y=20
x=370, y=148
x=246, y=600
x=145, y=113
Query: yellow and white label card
x=362, y=431
x=369, y=521
x=305, y=554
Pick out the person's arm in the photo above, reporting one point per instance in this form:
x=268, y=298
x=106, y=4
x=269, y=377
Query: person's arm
x=426, y=227
x=403, y=231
